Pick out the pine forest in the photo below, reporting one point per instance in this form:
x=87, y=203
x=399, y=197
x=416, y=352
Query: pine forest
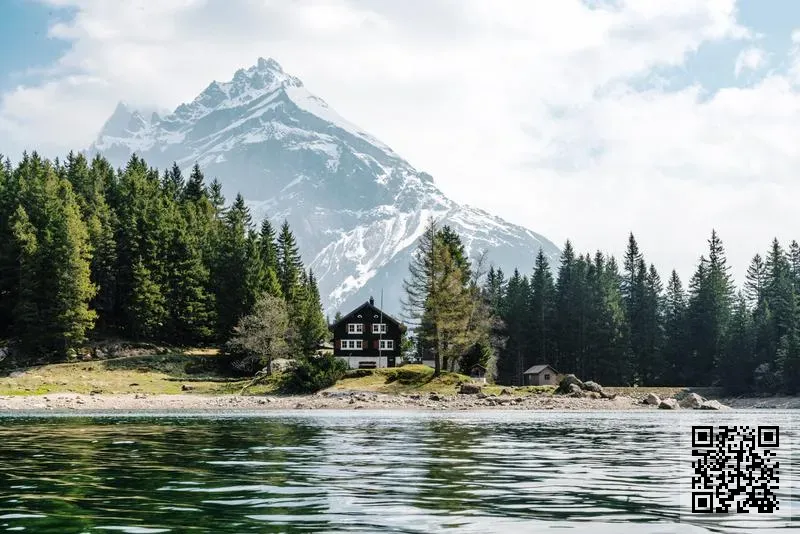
x=88, y=250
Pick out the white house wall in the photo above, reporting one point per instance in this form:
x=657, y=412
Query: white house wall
x=354, y=361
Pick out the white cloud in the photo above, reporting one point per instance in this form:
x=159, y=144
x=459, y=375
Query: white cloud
x=536, y=99
x=749, y=59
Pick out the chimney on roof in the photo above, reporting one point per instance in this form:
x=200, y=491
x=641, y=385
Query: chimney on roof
x=371, y=301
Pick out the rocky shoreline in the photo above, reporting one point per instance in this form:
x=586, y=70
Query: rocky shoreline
x=326, y=400
x=330, y=400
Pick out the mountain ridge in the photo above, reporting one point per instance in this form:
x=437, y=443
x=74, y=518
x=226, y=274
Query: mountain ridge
x=356, y=206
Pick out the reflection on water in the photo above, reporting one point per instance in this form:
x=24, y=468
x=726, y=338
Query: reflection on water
x=603, y=473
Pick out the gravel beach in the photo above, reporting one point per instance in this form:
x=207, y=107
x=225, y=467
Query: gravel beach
x=60, y=402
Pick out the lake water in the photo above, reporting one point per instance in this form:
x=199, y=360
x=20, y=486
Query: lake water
x=363, y=471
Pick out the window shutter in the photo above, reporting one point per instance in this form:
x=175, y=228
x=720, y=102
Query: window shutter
x=339, y=344
x=375, y=344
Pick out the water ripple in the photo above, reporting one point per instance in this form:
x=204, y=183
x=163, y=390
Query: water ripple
x=362, y=472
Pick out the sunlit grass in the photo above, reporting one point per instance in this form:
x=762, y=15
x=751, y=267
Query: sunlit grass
x=151, y=374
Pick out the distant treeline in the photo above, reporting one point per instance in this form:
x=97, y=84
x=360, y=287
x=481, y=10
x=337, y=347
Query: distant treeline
x=137, y=253
x=619, y=325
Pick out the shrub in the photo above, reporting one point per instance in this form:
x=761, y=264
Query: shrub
x=313, y=373
x=358, y=373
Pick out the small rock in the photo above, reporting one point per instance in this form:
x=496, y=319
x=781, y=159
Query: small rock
x=469, y=389
x=184, y=387
x=652, y=399
x=591, y=395
x=713, y=405
x=691, y=401
x=434, y=397
x=575, y=390
x=669, y=404
x=359, y=407
x=504, y=391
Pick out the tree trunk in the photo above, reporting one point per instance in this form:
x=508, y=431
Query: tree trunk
x=437, y=358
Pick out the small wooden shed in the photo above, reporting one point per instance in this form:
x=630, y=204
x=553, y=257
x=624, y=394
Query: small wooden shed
x=478, y=373
x=540, y=375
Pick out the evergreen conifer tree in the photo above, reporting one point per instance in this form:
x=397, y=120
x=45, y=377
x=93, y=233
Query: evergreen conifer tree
x=290, y=266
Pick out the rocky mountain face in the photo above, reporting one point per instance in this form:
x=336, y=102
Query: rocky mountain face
x=356, y=207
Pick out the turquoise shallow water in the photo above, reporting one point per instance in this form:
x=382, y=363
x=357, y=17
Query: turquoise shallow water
x=362, y=471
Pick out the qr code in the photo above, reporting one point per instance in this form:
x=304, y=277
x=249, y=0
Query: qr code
x=735, y=468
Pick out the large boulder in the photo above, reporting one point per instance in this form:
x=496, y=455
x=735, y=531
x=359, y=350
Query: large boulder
x=692, y=401
x=713, y=405
x=575, y=391
x=651, y=399
x=592, y=386
x=567, y=381
x=469, y=388
x=669, y=404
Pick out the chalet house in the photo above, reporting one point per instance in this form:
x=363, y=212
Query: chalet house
x=540, y=375
x=367, y=338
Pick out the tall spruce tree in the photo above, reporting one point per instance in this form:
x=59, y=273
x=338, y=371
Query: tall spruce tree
x=512, y=359
x=710, y=307
x=269, y=257
x=195, y=188
x=234, y=271
x=290, y=265
x=780, y=295
x=736, y=373
x=676, y=334
x=541, y=312
x=313, y=327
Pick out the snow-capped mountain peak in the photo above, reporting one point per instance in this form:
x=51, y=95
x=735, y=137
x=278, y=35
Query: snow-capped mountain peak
x=356, y=206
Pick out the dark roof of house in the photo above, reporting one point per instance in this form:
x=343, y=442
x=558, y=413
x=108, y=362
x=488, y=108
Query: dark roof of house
x=536, y=369
x=376, y=310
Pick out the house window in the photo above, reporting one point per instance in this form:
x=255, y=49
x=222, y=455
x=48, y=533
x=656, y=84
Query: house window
x=387, y=344
x=378, y=328
x=355, y=328
x=351, y=344
x=547, y=376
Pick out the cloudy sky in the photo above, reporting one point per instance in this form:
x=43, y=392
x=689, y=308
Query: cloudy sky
x=581, y=119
